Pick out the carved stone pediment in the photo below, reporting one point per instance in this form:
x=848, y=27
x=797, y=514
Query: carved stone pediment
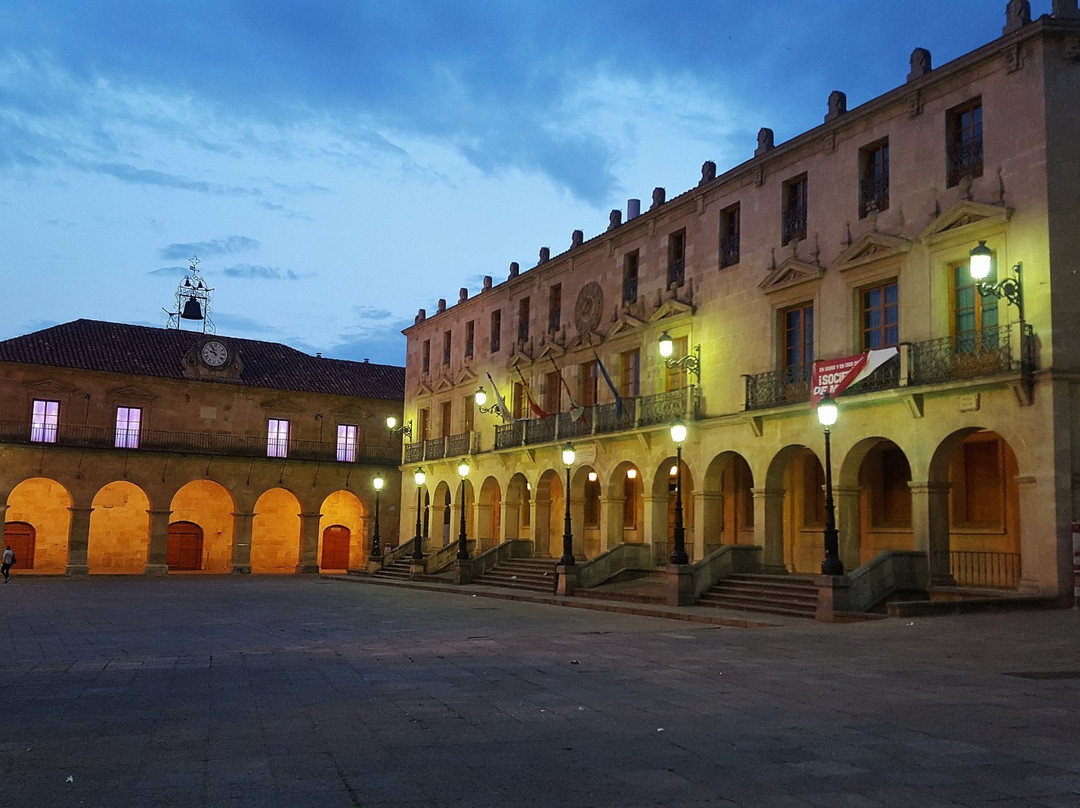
x=791, y=272
x=963, y=220
x=464, y=376
x=871, y=248
x=625, y=324
x=585, y=340
x=282, y=404
x=552, y=350
x=422, y=389
x=519, y=361
x=46, y=386
x=442, y=383
x=130, y=392
x=351, y=412
x=671, y=308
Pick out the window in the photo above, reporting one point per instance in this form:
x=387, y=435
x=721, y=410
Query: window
x=470, y=337
x=793, y=223
x=874, y=178
x=975, y=319
x=589, y=379
x=496, y=330
x=468, y=413
x=346, y=443
x=880, y=316
x=552, y=393
x=519, y=400
x=798, y=359
x=675, y=377
x=444, y=419
x=277, y=438
x=964, y=143
x=446, y=346
x=676, y=258
x=629, y=277
x=44, y=422
x=555, y=307
x=425, y=361
x=630, y=374
x=423, y=429
x=977, y=474
x=128, y=421
x=523, y=319
x=729, y=236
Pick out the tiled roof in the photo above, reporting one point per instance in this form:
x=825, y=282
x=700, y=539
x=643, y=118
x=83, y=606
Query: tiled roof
x=143, y=351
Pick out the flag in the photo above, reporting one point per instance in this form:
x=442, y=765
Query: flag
x=500, y=402
x=539, y=413
x=577, y=412
x=610, y=384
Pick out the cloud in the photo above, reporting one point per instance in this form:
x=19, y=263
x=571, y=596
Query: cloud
x=263, y=273
x=173, y=270
x=217, y=246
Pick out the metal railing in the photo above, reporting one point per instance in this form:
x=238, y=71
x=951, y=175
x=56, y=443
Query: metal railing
x=630, y=413
x=207, y=443
x=438, y=448
x=793, y=223
x=965, y=160
x=873, y=194
x=979, y=568
x=729, y=250
x=777, y=387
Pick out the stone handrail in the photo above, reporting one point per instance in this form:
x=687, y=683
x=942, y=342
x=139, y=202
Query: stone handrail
x=442, y=557
x=478, y=565
x=724, y=561
x=867, y=586
x=403, y=550
x=611, y=562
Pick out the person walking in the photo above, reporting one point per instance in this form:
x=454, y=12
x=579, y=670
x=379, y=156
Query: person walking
x=9, y=560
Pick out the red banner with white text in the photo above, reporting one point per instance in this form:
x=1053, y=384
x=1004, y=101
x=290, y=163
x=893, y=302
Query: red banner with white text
x=831, y=377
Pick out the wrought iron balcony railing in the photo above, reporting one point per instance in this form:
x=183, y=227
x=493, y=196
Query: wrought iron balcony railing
x=729, y=250
x=634, y=413
x=206, y=443
x=968, y=355
x=793, y=224
x=438, y=448
x=873, y=195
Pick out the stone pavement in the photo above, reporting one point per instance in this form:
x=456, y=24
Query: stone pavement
x=259, y=691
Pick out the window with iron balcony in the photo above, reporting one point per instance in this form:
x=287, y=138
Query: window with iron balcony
x=729, y=236
x=446, y=345
x=676, y=258
x=425, y=357
x=964, y=155
x=555, y=307
x=496, y=330
x=470, y=338
x=874, y=178
x=793, y=223
x=523, y=319
x=630, y=277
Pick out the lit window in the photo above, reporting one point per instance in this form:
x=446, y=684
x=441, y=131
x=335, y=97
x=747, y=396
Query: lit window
x=346, y=443
x=277, y=438
x=128, y=421
x=45, y=420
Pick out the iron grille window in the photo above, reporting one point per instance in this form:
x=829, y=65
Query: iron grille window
x=729, y=236
x=630, y=277
x=425, y=361
x=470, y=336
x=555, y=307
x=496, y=330
x=874, y=181
x=793, y=224
x=676, y=272
x=523, y=319
x=965, y=141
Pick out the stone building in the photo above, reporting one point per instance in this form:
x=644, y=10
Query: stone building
x=849, y=241
x=127, y=449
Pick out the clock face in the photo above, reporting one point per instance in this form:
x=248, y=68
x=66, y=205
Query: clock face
x=214, y=353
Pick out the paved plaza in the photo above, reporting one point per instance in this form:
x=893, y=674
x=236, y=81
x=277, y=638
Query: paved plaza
x=193, y=691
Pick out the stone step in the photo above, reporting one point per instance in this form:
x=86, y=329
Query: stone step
x=793, y=596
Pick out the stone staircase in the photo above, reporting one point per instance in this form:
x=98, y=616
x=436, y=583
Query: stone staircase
x=528, y=574
x=791, y=595
x=398, y=570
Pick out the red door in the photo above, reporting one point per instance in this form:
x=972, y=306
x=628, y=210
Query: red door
x=184, y=551
x=20, y=536
x=335, y=548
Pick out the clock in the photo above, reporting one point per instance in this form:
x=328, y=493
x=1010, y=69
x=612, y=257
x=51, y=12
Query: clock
x=214, y=353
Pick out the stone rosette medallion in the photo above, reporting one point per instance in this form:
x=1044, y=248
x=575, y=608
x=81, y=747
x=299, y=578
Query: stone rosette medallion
x=590, y=303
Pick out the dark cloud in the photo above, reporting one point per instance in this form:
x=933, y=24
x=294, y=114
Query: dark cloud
x=217, y=246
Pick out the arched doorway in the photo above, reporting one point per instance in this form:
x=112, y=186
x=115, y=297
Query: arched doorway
x=663, y=522
x=209, y=506
x=335, y=548
x=119, y=541
x=44, y=504
x=185, y=546
x=275, y=532
x=728, y=502
x=884, y=501
x=489, y=515
x=21, y=538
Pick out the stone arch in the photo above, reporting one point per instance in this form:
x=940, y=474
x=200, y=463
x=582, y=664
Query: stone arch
x=489, y=516
x=211, y=506
x=547, y=514
x=663, y=517
x=119, y=540
x=974, y=523
x=585, y=488
x=344, y=509
x=518, y=508
x=44, y=504
x=442, y=515
x=275, y=532
x=872, y=494
x=791, y=545
x=727, y=501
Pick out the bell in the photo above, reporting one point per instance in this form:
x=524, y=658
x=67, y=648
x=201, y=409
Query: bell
x=192, y=310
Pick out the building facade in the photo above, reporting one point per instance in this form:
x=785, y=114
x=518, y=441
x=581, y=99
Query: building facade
x=850, y=240
x=126, y=449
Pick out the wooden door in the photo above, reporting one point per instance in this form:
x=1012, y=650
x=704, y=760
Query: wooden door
x=335, y=548
x=21, y=537
x=185, y=546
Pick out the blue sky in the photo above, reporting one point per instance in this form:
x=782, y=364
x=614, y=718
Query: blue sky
x=337, y=165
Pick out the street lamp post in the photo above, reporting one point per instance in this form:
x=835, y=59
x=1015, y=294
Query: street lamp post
x=418, y=550
x=678, y=553
x=567, y=559
x=827, y=412
x=691, y=362
x=376, y=550
x=981, y=261
x=405, y=429
x=463, y=540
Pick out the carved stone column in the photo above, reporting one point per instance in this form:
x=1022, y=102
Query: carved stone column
x=309, y=542
x=78, y=541
x=930, y=527
x=157, y=554
x=769, y=528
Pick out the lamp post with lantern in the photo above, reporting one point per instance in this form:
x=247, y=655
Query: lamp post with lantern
x=827, y=412
x=567, y=559
x=376, y=551
x=463, y=541
x=418, y=550
x=678, y=552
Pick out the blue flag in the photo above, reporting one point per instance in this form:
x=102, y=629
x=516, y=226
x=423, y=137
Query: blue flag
x=610, y=384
